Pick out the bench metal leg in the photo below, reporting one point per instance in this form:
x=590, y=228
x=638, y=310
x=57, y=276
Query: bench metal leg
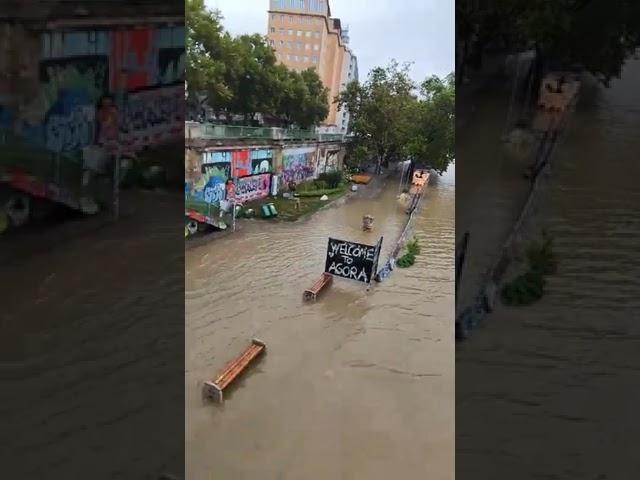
x=213, y=391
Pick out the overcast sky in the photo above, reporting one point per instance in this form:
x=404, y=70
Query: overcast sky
x=421, y=31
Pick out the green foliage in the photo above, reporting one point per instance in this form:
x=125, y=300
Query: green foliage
x=432, y=136
x=524, y=290
x=598, y=34
x=240, y=75
x=319, y=193
x=529, y=287
x=413, y=247
x=392, y=119
x=407, y=260
x=332, y=179
x=540, y=256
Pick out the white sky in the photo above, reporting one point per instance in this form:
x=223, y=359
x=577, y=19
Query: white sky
x=421, y=31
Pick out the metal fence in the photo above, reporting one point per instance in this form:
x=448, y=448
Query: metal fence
x=232, y=132
x=54, y=176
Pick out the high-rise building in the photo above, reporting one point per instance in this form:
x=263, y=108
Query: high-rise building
x=349, y=74
x=304, y=35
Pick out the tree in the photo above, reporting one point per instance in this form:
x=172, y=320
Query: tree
x=432, y=139
x=598, y=35
x=206, y=48
x=379, y=110
x=241, y=76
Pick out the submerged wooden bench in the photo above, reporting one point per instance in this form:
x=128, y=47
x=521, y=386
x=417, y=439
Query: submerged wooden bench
x=215, y=388
x=324, y=281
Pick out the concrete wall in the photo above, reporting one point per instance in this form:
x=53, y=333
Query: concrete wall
x=59, y=88
x=252, y=168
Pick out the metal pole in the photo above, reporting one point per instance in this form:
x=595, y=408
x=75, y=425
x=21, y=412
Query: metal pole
x=462, y=253
x=116, y=185
x=233, y=205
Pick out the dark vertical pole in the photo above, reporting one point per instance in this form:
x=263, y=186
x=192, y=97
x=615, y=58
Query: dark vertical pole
x=460, y=260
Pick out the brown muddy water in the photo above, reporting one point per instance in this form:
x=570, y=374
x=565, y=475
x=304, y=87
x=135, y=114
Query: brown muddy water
x=552, y=390
x=90, y=369
x=357, y=385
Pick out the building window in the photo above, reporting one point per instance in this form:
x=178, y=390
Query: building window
x=299, y=33
x=295, y=58
x=305, y=59
x=282, y=18
x=316, y=47
x=282, y=43
x=290, y=45
x=273, y=30
x=299, y=45
x=271, y=42
x=273, y=16
x=288, y=58
x=307, y=46
x=316, y=34
x=314, y=59
x=281, y=31
x=307, y=34
x=291, y=32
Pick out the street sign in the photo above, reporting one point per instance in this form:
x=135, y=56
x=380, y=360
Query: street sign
x=353, y=261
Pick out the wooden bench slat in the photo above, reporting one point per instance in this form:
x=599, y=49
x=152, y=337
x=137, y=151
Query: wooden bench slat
x=323, y=281
x=238, y=366
x=233, y=369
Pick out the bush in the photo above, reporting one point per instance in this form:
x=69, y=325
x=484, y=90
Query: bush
x=332, y=179
x=529, y=287
x=406, y=260
x=524, y=290
x=319, y=193
x=413, y=247
x=320, y=185
x=541, y=257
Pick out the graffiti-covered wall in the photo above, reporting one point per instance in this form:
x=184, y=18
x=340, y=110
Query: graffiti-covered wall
x=250, y=173
x=101, y=86
x=298, y=165
x=207, y=174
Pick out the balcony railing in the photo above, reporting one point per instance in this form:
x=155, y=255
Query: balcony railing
x=208, y=131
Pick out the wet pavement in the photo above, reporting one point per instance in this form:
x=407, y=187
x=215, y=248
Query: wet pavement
x=357, y=385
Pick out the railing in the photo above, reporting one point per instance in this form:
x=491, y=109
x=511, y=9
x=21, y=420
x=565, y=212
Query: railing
x=208, y=131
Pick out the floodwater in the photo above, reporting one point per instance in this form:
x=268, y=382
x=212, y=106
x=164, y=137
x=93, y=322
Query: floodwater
x=90, y=369
x=357, y=385
x=542, y=388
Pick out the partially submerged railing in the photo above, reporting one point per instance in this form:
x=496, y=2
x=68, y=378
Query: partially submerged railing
x=483, y=303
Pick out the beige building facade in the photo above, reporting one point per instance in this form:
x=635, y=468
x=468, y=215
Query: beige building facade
x=304, y=35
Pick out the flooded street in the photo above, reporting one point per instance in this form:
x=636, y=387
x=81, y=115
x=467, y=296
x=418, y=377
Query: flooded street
x=359, y=384
x=566, y=364
x=85, y=317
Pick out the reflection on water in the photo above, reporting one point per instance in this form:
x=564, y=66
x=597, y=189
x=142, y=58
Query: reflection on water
x=532, y=370
x=357, y=385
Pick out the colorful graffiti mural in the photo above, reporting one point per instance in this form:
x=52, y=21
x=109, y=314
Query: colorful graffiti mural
x=298, y=165
x=78, y=70
x=209, y=186
x=242, y=163
x=253, y=187
x=153, y=116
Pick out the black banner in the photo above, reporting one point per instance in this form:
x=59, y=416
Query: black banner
x=354, y=261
